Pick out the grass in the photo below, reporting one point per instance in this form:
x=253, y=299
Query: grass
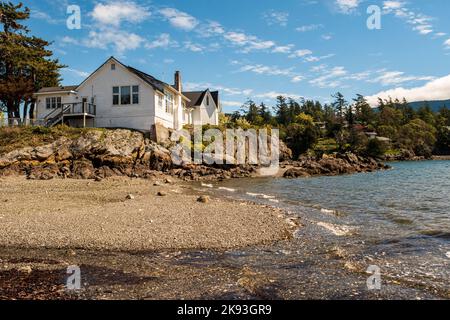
x=12, y=138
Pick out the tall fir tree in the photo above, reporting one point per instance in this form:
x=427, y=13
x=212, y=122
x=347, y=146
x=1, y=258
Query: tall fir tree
x=25, y=65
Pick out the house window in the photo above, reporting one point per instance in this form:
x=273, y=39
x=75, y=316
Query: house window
x=207, y=100
x=135, y=94
x=113, y=66
x=53, y=102
x=125, y=95
x=169, y=103
x=160, y=101
x=116, y=94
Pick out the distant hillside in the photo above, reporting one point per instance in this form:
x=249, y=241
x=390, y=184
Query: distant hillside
x=434, y=105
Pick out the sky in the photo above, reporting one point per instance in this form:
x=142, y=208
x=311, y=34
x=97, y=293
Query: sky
x=259, y=49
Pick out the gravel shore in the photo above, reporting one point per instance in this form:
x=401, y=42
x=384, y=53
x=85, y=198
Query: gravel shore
x=127, y=215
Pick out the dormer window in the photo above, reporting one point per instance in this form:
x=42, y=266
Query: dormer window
x=113, y=66
x=207, y=100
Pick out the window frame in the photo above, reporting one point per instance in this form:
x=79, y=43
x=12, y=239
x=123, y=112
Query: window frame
x=120, y=95
x=116, y=95
x=170, y=103
x=135, y=94
x=52, y=103
x=160, y=102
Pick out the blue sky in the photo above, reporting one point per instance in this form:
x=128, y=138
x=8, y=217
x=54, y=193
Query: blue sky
x=261, y=48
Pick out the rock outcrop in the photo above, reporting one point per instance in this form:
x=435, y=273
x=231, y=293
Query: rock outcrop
x=102, y=154
x=332, y=165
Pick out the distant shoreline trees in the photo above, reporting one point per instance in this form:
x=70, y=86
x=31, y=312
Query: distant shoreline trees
x=307, y=126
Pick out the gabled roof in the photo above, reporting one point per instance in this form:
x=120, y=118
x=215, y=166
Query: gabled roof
x=61, y=89
x=197, y=97
x=155, y=83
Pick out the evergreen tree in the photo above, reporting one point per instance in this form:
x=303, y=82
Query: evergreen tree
x=25, y=65
x=282, y=111
x=340, y=105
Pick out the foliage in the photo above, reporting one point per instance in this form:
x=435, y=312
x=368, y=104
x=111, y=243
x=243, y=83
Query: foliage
x=376, y=148
x=348, y=125
x=26, y=65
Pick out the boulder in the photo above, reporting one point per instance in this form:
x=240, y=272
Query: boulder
x=203, y=199
x=296, y=173
x=83, y=169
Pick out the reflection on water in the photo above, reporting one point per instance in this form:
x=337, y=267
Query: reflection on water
x=399, y=218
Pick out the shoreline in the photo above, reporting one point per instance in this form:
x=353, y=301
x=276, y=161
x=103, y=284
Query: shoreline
x=83, y=214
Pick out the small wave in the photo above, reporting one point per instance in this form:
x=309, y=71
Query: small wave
x=274, y=200
x=327, y=211
x=227, y=189
x=252, y=194
x=260, y=195
x=207, y=185
x=339, y=231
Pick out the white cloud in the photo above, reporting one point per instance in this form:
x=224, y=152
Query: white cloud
x=274, y=94
x=310, y=27
x=69, y=40
x=301, y=53
x=387, y=78
x=248, y=41
x=163, y=41
x=115, y=12
x=273, y=71
x=192, y=86
x=179, y=19
x=193, y=47
x=121, y=41
x=392, y=5
x=261, y=69
x=328, y=78
x=447, y=43
x=81, y=74
x=276, y=17
x=418, y=21
x=316, y=59
x=347, y=6
x=438, y=89
x=283, y=49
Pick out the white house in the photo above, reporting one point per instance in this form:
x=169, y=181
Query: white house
x=119, y=96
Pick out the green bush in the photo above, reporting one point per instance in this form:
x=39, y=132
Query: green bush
x=376, y=148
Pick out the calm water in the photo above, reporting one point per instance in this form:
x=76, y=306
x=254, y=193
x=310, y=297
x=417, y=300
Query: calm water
x=399, y=218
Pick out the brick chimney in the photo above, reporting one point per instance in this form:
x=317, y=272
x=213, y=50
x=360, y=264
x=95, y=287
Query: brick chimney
x=178, y=84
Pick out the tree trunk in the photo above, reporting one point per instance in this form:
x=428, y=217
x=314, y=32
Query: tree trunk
x=25, y=111
x=31, y=110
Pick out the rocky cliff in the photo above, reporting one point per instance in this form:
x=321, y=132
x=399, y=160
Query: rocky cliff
x=98, y=154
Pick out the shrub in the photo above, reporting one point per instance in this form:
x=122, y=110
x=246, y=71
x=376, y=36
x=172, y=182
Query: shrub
x=375, y=148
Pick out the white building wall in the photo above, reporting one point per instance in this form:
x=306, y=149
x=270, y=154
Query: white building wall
x=41, y=111
x=206, y=114
x=100, y=87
